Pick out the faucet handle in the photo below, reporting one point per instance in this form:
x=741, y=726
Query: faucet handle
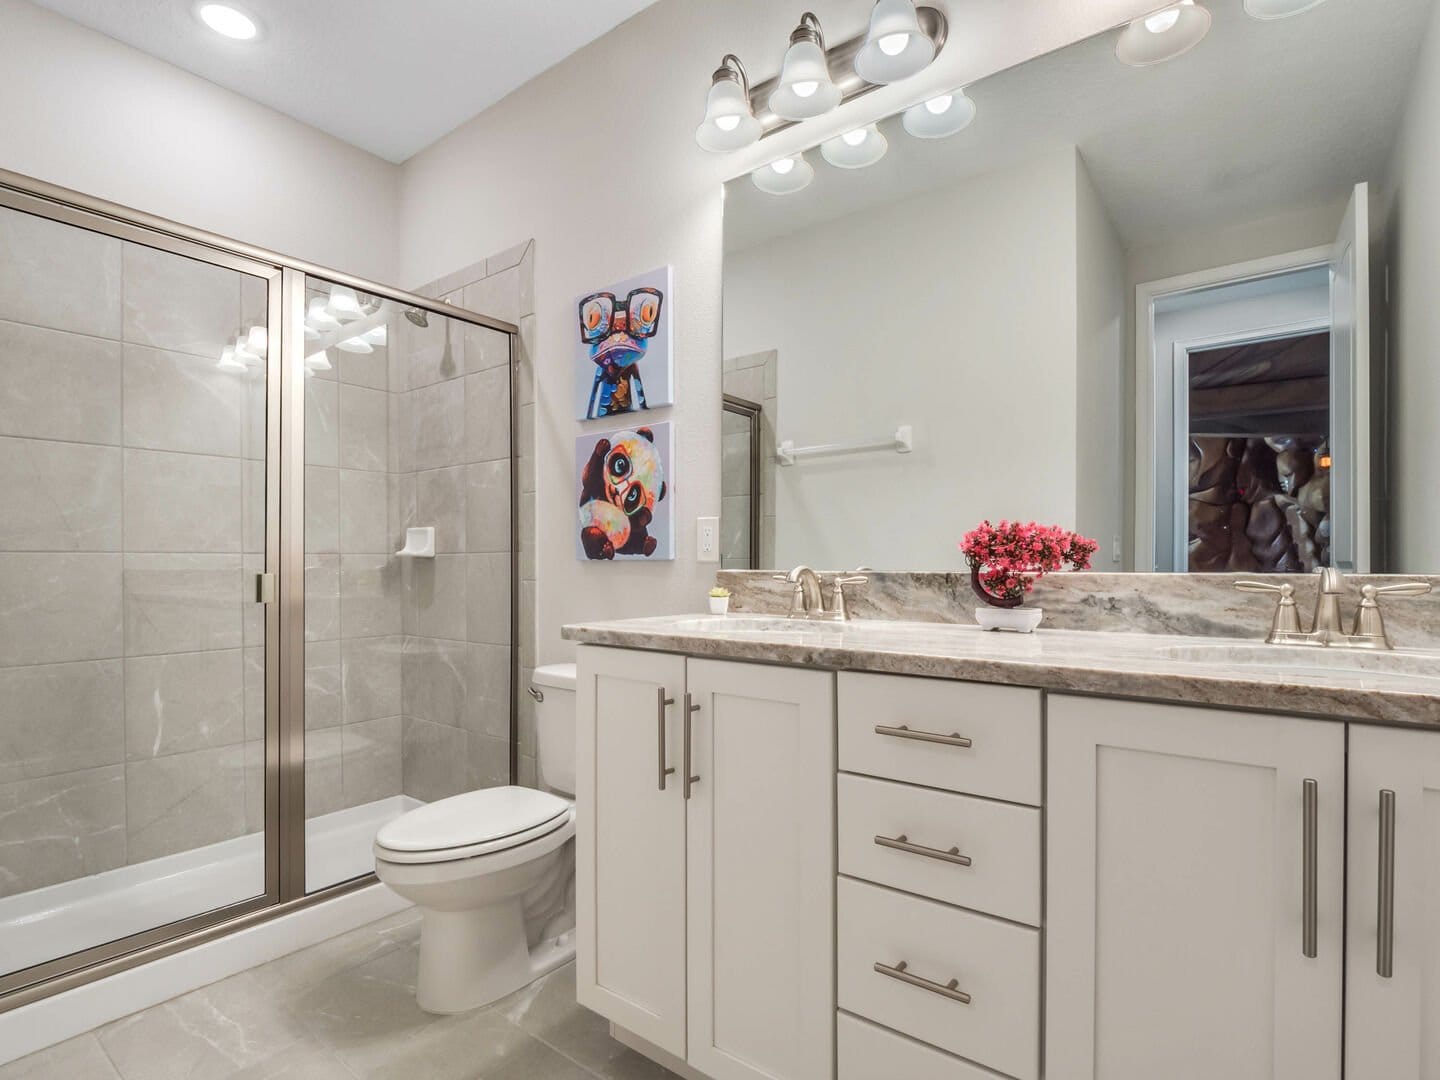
x=797, y=593
x=837, y=603
x=1369, y=622
x=1286, y=622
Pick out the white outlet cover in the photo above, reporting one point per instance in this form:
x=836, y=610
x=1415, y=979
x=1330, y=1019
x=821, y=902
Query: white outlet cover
x=707, y=539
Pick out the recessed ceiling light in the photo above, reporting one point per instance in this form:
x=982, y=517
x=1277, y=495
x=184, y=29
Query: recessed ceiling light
x=228, y=22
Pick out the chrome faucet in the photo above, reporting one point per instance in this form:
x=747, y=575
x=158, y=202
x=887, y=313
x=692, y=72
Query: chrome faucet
x=1327, y=628
x=807, y=597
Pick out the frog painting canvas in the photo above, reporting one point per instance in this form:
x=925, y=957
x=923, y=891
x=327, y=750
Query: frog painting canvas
x=624, y=360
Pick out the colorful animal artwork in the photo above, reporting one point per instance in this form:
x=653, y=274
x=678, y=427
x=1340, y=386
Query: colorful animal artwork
x=624, y=365
x=625, y=498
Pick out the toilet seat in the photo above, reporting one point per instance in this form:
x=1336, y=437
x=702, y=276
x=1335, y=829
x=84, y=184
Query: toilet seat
x=475, y=823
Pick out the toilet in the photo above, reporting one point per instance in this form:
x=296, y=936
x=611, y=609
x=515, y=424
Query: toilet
x=493, y=871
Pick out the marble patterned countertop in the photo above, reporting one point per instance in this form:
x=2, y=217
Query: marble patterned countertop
x=1400, y=687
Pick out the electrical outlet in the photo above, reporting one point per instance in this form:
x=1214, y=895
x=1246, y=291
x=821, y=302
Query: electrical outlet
x=1115, y=551
x=707, y=539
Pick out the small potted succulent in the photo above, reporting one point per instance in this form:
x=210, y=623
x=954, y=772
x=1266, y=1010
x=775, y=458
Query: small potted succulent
x=1007, y=559
x=719, y=600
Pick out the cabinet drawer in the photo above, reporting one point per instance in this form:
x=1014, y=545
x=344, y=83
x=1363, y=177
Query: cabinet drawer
x=996, y=963
x=866, y=1051
x=1001, y=723
x=1001, y=841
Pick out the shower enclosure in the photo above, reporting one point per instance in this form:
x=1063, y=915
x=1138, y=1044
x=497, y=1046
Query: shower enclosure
x=220, y=669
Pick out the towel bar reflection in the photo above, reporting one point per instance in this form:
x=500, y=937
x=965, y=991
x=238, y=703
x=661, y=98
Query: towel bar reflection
x=902, y=442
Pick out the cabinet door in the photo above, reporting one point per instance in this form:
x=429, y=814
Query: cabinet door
x=630, y=842
x=1392, y=1026
x=1180, y=890
x=761, y=851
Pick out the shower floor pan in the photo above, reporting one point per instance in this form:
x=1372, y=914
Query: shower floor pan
x=44, y=924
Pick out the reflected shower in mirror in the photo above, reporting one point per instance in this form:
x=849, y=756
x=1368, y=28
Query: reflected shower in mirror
x=1183, y=309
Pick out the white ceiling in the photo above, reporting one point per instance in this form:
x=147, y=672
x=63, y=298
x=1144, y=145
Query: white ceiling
x=1260, y=118
x=389, y=76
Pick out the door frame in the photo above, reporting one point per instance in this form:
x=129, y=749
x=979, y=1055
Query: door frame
x=1149, y=374
x=1180, y=400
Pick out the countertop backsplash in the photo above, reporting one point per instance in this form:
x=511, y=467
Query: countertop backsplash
x=1200, y=605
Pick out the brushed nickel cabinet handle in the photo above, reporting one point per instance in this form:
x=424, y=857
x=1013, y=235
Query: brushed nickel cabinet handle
x=690, y=780
x=903, y=732
x=1310, y=921
x=901, y=972
x=661, y=701
x=901, y=843
x=1385, y=901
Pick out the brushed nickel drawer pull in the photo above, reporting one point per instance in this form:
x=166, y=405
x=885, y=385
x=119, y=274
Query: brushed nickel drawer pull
x=661, y=701
x=1385, y=901
x=901, y=843
x=1310, y=862
x=903, y=732
x=946, y=990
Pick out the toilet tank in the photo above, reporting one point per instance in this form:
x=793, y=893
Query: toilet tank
x=553, y=685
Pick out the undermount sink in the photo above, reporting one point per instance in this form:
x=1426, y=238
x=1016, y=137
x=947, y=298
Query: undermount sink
x=1318, y=659
x=753, y=624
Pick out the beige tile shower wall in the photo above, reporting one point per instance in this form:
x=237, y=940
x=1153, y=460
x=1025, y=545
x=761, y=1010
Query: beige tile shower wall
x=131, y=681
x=457, y=676
x=354, y=627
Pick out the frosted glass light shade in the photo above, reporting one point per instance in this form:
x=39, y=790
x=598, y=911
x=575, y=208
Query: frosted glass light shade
x=377, y=336
x=855, y=149
x=1278, y=9
x=318, y=318
x=343, y=304
x=784, y=177
x=896, y=47
x=1163, y=35
x=356, y=344
x=729, y=122
x=805, y=88
x=318, y=361
x=940, y=116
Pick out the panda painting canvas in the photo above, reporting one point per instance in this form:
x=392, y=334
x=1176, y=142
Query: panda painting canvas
x=626, y=500
x=622, y=364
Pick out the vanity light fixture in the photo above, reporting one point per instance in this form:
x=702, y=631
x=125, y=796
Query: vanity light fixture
x=805, y=88
x=855, y=149
x=729, y=122
x=940, y=116
x=317, y=361
x=229, y=361
x=228, y=21
x=356, y=344
x=377, y=336
x=1278, y=9
x=896, y=46
x=317, y=318
x=1163, y=35
x=784, y=177
x=344, y=304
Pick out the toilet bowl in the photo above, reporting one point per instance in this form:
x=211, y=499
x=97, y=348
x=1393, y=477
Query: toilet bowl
x=492, y=871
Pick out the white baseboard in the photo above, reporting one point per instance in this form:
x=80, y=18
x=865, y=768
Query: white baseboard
x=73, y=1012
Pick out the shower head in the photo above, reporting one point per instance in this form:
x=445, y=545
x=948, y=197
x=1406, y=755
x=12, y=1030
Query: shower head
x=417, y=316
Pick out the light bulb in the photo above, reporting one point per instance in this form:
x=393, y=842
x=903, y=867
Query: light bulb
x=937, y=106
x=939, y=116
x=1162, y=20
x=893, y=44
x=855, y=149
x=805, y=88
x=784, y=166
x=1163, y=35
x=727, y=123
x=228, y=22
x=854, y=138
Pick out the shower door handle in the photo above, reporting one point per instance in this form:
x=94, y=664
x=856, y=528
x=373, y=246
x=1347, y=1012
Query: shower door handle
x=264, y=588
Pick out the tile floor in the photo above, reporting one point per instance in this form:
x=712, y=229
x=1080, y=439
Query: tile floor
x=345, y=1010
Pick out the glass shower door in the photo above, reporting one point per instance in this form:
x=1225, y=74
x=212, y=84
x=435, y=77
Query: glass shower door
x=134, y=698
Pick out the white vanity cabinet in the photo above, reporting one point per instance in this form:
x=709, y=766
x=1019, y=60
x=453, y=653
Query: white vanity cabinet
x=706, y=905
x=1393, y=970
x=1195, y=891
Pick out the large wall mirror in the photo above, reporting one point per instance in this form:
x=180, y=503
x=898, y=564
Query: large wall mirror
x=1189, y=309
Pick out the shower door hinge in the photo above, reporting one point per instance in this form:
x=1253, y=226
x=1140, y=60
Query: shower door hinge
x=264, y=588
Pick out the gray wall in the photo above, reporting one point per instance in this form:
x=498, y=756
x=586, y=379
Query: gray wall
x=131, y=689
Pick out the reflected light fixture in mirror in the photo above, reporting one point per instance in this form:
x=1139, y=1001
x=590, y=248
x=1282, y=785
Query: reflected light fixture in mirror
x=939, y=117
x=784, y=177
x=896, y=47
x=318, y=319
x=729, y=122
x=805, y=88
x=344, y=304
x=228, y=21
x=1278, y=9
x=229, y=361
x=1163, y=35
x=855, y=149
x=356, y=344
x=317, y=361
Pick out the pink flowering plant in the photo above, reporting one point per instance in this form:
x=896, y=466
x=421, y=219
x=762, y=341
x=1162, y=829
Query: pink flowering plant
x=1007, y=559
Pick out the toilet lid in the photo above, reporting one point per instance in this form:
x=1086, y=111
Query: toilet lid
x=476, y=817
